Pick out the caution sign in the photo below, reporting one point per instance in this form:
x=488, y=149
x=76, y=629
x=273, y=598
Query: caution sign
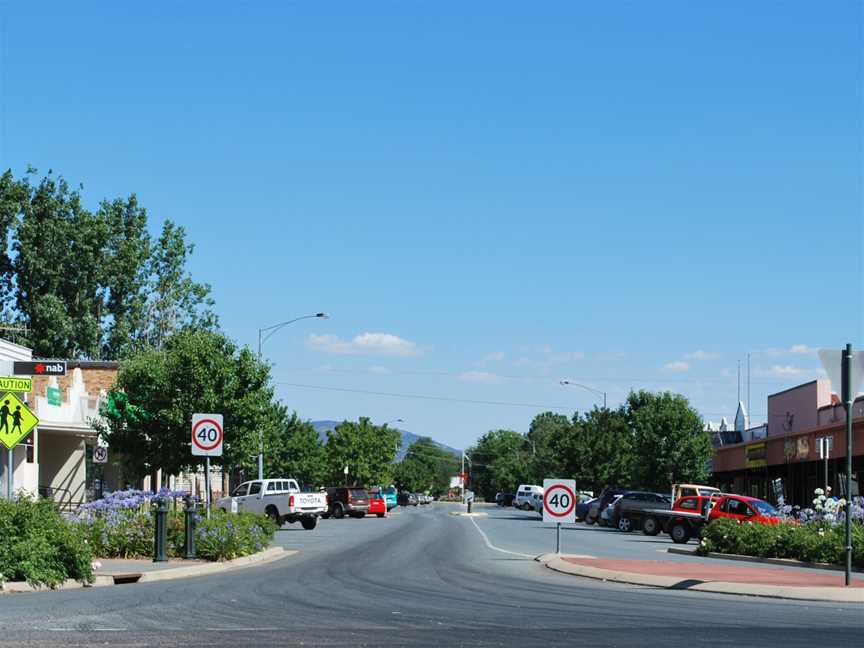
x=12, y=383
x=16, y=420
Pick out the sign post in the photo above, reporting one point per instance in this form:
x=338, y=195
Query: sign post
x=16, y=422
x=847, y=374
x=207, y=437
x=559, y=505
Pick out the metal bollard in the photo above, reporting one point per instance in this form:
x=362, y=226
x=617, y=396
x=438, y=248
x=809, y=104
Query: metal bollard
x=160, y=544
x=469, y=506
x=190, y=512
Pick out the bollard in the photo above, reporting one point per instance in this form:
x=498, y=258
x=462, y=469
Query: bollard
x=160, y=544
x=469, y=505
x=190, y=512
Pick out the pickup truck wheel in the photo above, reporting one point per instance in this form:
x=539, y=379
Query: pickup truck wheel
x=380, y=514
x=589, y=520
x=309, y=523
x=625, y=524
x=601, y=522
x=679, y=532
x=650, y=526
x=338, y=512
x=273, y=514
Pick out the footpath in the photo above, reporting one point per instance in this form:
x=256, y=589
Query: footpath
x=772, y=582
x=122, y=572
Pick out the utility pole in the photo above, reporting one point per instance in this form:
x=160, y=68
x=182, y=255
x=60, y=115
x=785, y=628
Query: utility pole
x=848, y=402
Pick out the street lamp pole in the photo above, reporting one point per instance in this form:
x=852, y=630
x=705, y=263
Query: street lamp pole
x=591, y=389
x=396, y=449
x=264, y=334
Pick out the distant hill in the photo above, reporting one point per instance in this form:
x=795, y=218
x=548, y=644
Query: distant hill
x=323, y=427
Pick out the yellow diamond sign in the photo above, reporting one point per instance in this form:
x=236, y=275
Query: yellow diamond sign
x=16, y=420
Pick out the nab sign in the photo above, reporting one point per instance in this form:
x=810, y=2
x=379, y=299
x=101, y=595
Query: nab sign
x=207, y=435
x=41, y=368
x=559, y=501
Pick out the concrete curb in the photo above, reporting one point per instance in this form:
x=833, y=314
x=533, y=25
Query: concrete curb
x=105, y=580
x=782, y=562
x=472, y=515
x=825, y=594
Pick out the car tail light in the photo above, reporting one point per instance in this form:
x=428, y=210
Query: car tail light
x=291, y=501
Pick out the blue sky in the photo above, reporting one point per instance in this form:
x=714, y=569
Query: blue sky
x=487, y=197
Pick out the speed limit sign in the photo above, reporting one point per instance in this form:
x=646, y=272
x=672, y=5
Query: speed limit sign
x=559, y=501
x=207, y=435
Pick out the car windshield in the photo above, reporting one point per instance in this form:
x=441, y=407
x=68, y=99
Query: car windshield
x=764, y=508
x=358, y=493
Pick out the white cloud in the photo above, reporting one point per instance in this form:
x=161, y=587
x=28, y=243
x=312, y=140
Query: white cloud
x=481, y=377
x=782, y=371
x=384, y=344
x=702, y=355
x=495, y=356
x=802, y=349
x=677, y=366
x=378, y=369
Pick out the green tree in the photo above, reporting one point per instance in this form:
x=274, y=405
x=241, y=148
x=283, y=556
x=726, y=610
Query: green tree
x=543, y=436
x=669, y=443
x=366, y=449
x=426, y=468
x=500, y=461
x=13, y=196
x=295, y=450
x=150, y=409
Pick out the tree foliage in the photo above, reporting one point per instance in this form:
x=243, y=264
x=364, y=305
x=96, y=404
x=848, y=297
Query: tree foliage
x=149, y=411
x=295, y=450
x=91, y=284
x=426, y=468
x=366, y=449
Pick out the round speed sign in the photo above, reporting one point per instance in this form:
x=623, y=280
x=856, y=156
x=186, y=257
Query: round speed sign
x=207, y=435
x=559, y=501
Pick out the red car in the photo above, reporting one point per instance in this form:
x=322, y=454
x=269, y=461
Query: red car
x=377, y=505
x=745, y=509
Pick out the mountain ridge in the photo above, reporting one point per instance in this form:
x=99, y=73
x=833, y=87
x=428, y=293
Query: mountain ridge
x=408, y=438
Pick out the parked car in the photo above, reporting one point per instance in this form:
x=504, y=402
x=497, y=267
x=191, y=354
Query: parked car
x=423, y=499
x=342, y=501
x=690, y=512
x=524, y=493
x=628, y=512
x=606, y=514
x=584, y=504
x=600, y=504
x=390, y=497
x=377, y=505
x=537, y=502
x=407, y=499
x=279, y=499
x=504, y=499
x=745, y=509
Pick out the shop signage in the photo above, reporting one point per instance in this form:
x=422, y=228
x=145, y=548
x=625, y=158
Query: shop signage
x=756, y=455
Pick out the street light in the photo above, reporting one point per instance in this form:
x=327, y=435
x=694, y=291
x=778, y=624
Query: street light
x=262, y=338
x=396, y=448
x=591, y=389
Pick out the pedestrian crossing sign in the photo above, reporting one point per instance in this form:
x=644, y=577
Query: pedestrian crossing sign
x=16, y=420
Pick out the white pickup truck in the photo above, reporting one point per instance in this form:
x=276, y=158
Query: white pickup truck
x=279, y=499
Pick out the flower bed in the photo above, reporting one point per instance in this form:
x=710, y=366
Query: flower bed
x=41, y=547
x=122, y=526
x=818, y=535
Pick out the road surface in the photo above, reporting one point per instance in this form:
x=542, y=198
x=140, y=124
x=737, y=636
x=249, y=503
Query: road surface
x=420, y=578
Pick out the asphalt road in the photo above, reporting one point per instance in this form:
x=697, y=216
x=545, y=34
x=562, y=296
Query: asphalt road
x=421, y=578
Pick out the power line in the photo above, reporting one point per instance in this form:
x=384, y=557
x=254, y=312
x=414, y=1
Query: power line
x=426, y=397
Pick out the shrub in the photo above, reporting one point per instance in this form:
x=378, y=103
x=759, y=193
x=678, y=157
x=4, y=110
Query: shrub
x=39, y=546
x=225, y=535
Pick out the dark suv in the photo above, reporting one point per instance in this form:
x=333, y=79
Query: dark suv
x=342, y=501
x=407, y=499
x=629, y=511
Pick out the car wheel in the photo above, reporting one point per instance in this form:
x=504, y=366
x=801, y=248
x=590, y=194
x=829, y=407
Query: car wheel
x=338, y=512
x=625, y=524
x=601, y=522
x=589, y=520
x=273, y=514
x=650, y=526
x=380, y=514
x=680, y=533
x=361, y=515
x=309, y=523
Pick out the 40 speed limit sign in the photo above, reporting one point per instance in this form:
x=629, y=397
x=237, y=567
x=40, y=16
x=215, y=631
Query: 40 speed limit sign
x=559, y=501
x=207, y=435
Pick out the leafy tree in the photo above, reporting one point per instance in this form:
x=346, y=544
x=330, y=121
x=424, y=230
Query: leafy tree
x=500, y=462
x=426, y=467
x=669, y=443
x=149, y=411
x=13, y=196
x=295, y=450
x=544, y=433
x=366, y=449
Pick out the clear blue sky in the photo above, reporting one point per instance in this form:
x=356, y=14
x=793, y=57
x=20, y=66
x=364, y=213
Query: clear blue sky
x=502, y=194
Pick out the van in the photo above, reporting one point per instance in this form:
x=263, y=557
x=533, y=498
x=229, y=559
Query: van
x=524, y=496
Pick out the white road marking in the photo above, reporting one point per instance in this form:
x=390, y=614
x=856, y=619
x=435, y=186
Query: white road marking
x=494, y=548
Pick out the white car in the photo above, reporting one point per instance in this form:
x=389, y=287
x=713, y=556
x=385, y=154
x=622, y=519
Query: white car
x=524, y=496
x=537, y=502
x=279, y=499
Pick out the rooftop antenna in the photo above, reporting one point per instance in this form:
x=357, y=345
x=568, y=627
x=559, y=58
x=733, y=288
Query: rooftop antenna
x=739, y=381
x=748, y=385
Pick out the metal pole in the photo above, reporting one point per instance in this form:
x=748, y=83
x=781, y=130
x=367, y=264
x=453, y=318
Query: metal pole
x=558, y=538
x=260, y=431
x=10, y=468
x=207, y=485
x=604, y=400
x=849, y=401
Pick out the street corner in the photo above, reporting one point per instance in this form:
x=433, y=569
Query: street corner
x=741, y=581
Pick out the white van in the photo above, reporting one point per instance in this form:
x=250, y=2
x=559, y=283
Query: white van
x=524, y=496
